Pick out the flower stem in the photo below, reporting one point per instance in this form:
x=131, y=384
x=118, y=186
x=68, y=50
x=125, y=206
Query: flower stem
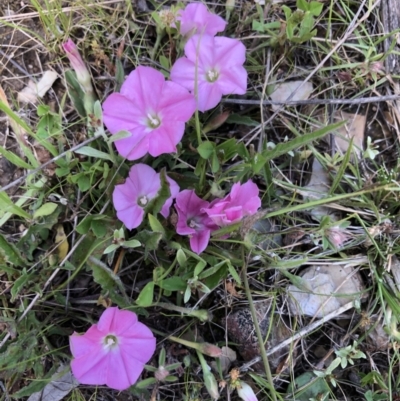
x=257, y=329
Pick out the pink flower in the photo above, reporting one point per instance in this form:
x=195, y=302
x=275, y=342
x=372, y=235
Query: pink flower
x=242, y=201
x=245, y=392
x=193, y=221
x=152, y=110
x=113, y=351
x=82, y=73
x=220, y=69
x=131, y=198
x=195, y=18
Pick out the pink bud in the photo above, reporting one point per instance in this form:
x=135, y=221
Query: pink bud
x=82, y=73
x=210, y=350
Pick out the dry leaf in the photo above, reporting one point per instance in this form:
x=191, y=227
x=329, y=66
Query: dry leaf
x=354, y=128
x=58, y=388
x=231, y=288
x=32, y=91
x=325, y=289
x=284, y=90
x=317, y=188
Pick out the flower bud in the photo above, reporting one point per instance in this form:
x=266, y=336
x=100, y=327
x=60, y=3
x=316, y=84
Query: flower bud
x=211, y=385
x=245, y=392
x=210, y=350
x=82, y=73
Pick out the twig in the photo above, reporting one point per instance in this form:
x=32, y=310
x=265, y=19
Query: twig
x=361, y=100
x=301, y=333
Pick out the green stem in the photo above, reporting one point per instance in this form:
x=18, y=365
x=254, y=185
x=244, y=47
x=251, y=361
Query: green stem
x=257, y=329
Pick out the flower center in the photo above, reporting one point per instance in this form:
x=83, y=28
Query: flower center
x=212, y=75
x=110, y=342
x=153, y=121
x=193, y=224
x=142, y=201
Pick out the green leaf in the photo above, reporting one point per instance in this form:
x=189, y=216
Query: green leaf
x=119, y=74
x=111, y=248
x=119, y=135
x=173, y=284
x=315, y=8
x=206, y=149
x=284, y=148
x=19, y=283
x=242, y=120
x=84, y=183
x=9, y=253
x=99, y=228
x=45, y=210
x=234, y=273
x=181, y=258
x=214, y=163
x=107, y=279
x=214, y=279
x=7, y=206
x=310, y=387
x=75, y=92
x=156, y=204
x=165, y=62
x=149, y=239
x=155, y=225
x=145, y=297
x=133, y=243
x=302, y=5
x=92, y=152
x=84, y=226
x=14, y=159
x=257, y=26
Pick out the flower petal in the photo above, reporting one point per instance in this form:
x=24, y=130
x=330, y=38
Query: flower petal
x=165, y=138
x=209, y=95
x=140, y=349
x=183, y=73
x=91, y=368
x=121, y=113
x=229, y=52
x=200, y=49
x=144, y=179
x=137, y=88
x=128, y=211
x=241, y=193
x=135, y=146
x=195, y=16
x=176, y=103
x=199, y=241
x=233, y=81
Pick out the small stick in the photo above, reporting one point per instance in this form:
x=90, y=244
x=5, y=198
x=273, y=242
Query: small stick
x=301, y=333
x=361, y=100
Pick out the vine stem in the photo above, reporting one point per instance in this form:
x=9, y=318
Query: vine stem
x=257, y=329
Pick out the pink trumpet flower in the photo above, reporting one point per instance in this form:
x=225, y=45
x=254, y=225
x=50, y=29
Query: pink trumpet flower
x=243, y=200
x=152, y=110
x=193, y=221
x=195, y=18
x=220, y=70
x=113, y=351
x=131, y=197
